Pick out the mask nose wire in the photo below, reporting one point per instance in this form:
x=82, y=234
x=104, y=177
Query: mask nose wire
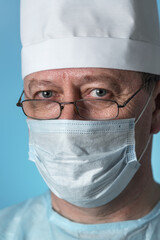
x=146, y=105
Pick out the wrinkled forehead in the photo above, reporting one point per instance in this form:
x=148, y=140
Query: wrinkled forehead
x=118, y=74
x=83, y=75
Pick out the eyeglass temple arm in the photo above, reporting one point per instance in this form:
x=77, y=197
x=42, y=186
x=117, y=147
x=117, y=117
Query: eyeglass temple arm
x=128, y=100
x=19, y=101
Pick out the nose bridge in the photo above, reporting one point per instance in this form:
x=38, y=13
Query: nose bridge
x=66, y=103
x=69, y=111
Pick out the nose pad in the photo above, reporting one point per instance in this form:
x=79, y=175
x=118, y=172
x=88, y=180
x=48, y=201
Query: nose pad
x=69, y=112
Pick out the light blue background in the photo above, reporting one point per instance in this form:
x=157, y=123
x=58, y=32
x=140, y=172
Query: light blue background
x=19, y=178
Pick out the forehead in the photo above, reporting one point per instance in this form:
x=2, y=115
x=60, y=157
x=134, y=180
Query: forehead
x=83, y=75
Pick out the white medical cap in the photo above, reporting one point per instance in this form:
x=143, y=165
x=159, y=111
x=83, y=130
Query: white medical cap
x=119, y=34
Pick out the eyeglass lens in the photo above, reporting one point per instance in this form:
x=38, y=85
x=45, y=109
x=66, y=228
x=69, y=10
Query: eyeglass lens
x=88, y=109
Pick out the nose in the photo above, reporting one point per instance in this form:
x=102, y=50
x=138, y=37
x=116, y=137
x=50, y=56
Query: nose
x=69, y=111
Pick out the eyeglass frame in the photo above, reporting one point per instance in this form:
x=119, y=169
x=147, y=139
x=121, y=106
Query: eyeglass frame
x=20, y=104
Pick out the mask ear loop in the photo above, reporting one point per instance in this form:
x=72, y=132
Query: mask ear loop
x=149, y=139
x=145, y=106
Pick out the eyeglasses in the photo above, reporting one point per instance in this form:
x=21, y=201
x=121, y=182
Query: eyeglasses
x=94, y=109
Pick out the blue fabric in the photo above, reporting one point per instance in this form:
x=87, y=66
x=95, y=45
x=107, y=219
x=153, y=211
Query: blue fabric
x=35, y=220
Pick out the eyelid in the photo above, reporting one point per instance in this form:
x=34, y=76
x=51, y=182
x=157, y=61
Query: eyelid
x=94, y=89
x=37, y=89
x=108, y=93
x=38, y=92
x=100, y=89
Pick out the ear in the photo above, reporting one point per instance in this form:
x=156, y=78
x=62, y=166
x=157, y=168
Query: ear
x=155, y=127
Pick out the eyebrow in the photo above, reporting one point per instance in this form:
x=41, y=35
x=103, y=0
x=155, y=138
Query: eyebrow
x=36, y=82
x=85, y=79
x=103, y=77
x=99, y=77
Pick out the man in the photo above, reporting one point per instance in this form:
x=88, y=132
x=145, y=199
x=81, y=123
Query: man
x=92, y=101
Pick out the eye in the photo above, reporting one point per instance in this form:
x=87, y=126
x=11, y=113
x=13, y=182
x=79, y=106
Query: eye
x=99, y=92
x=46, y=94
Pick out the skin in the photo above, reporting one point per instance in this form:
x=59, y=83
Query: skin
x=142, y=193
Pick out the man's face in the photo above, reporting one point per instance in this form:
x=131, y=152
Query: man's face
x=91, y=83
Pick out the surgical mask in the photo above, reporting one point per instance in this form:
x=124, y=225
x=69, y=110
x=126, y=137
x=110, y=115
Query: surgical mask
x=86, y=163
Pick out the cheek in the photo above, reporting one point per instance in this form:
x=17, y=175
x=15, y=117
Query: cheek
x=129, y=111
